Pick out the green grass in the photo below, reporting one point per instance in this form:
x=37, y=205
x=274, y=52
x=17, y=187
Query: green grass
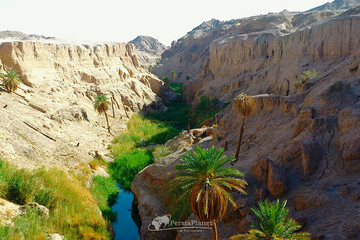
x=130, y=156
x=73, y=210
x=105, y=193
x=152, y=131
x=127, y=165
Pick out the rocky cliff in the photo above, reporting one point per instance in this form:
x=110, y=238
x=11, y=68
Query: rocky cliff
x=192, y=52
x=51, y=120
x=148, y=50
x=337, y=5
x=302, y=142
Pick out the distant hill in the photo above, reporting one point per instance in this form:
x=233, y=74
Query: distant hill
x=148, y=49
x=337, y=5
x=21, y=35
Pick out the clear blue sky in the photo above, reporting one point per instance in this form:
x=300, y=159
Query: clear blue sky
x=119, y=20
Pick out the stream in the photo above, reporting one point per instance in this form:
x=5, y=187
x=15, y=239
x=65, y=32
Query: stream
x=128, y=219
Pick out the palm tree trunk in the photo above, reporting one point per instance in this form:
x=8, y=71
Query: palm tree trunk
x=240, y=139
x=214, y=230
x=107, y=121
x=112, y=106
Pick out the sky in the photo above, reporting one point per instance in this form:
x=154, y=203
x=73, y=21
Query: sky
x=122, y=21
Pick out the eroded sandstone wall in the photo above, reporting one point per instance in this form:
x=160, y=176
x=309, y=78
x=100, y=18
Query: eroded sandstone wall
x=61, y=82
x=272, y=62
x=302, y=142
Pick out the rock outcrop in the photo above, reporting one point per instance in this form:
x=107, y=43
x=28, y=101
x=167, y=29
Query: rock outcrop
x=192, y=52
x=337, y=5
x=52, y=120
x=308, y=127
x=148, y=50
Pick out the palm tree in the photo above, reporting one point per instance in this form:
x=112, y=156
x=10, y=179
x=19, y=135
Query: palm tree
x=173, y=74
x=150, y=68
x=205, y=181
x=101, y=105
x=11, y=80
x=166, y=81
x=273, y=224
x=246, y=107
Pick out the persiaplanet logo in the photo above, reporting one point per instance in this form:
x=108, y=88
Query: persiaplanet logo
x=165, y=223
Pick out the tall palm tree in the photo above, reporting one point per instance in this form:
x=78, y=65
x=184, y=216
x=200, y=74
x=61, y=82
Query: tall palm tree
x=273, y=224
x=205, y=181
x=173, y=74
x=101, y=105
x=11, y=80
x=246, y=106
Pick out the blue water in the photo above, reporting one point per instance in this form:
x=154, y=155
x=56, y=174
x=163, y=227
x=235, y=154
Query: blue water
x=125, y=227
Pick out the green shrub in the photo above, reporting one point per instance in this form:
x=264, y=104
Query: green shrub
x=160, y=152
x=19, y=187
x=105, y=192
x=176, y=115
x=126, y=166
x=307, y=75
x=176, y=87
x=204, y=109
x=71, y=205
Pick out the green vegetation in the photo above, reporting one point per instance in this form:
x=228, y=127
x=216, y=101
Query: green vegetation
x=150, y=68
x=205, y=181
x=160, y=152
x=101, y=105
x=105, y=192
x=130, y=157
x=11, y=80
x=246, y=105
x=273, y=223
x=306, y=76
x=73, y=210
x=176, y=87
x=166, y=81
x=206, y=108
x=176, y=115
x=127, y=165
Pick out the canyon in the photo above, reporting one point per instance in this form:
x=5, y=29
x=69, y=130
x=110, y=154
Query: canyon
x=61, y=81
x=302, y=143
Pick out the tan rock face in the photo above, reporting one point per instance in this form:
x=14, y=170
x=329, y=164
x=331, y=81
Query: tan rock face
x=148, y=50
x=271, y=174
x=310, y=129
x=62, y=81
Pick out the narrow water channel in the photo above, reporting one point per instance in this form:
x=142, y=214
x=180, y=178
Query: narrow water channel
x=128, y=220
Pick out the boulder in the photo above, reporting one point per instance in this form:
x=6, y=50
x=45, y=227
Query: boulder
x=311, y=154
x=261, y=194
x=272, y=174
x=42, y=210
x=260, y=170
x=277, y=180
x=55, y=236
x=305, y=117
